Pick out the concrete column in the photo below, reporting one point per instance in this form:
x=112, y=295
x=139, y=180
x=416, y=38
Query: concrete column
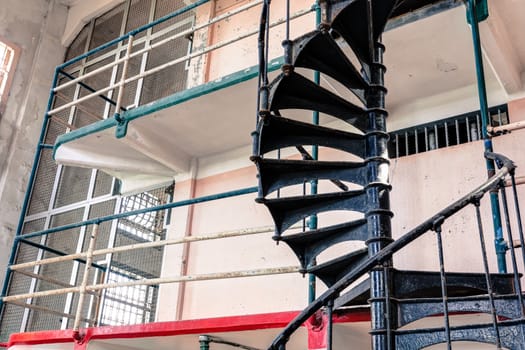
x=36, y=26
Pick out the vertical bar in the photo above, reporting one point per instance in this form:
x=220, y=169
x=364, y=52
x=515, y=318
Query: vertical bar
x=378, y=213
x=426, y=139
x=518, y=216
x=446, y=134
x=312, y=223
x=499, y=241
x=417, y=141
x=499, y=117
x=397, y=145
x=436, y=135
x=458, y=140
x=406, y=144
x=444, y=295
x=512, y=252
x=329, y=327
x=467, y=125
x=85, y=278
x=123, y=79
x=478, y=127
x=287, y=20
x=487, y=276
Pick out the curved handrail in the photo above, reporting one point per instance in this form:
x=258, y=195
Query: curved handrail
x=506, y=167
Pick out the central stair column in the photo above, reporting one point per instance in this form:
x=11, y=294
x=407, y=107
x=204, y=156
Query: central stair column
x=378, y=196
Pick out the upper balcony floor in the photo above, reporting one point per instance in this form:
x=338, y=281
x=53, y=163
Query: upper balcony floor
x=180, y=83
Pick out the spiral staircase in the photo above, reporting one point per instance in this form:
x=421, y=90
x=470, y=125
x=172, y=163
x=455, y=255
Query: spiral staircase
x=396, y=297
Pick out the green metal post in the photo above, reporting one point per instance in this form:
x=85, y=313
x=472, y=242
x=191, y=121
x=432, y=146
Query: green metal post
x=499, y=241
x=312, y=222
x=204, y=342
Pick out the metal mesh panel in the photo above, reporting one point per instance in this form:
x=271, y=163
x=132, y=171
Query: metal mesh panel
x=96, y=211
x=107, y=27
x=129, y=305
x=172, y=79
x=103, y=184
x=78, y=46
x=43, y=185
x=65, y=241
x=12, y=316
x=139, y=13
x=59, y=121
x=73, y=186
x=95, y=106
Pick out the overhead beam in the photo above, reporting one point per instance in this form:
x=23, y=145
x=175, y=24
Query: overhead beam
x=499, y=49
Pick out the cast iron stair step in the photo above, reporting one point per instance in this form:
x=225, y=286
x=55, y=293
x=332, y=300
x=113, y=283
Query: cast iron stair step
x=427, y=284
x=277, y=173
x=293, y=91
x=410, y=310
x=331, y=271
x=307, y=245
x=319, y=51
x=288, y=211
x=350, y=21
x=358, y=295
x=278, y=132
x=511, y=335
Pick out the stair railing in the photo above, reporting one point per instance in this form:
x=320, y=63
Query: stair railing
x=434, y=224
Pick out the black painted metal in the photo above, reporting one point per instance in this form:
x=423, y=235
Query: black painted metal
x=396, y=297
x=308, y=245
x=318, y=51
x=293, y=91
x=277, y=132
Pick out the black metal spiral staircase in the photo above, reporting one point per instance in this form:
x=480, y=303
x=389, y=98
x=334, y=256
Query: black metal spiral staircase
x=396, y=297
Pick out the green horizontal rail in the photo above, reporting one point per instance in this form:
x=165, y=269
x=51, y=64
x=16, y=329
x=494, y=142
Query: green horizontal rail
x=102, y=219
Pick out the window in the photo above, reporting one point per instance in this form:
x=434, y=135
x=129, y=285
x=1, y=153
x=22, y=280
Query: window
x=8, y=59
x=443, y=133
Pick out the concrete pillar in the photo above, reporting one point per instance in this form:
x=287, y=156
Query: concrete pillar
x=36, y=26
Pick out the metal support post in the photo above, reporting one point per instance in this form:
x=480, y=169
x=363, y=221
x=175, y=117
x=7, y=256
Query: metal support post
x=85, y=279
x=499, y=241
x=378, y=194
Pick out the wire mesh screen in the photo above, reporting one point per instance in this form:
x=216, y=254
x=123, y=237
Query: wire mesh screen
x=130, y=305
x=173, y=78
x=43, y=184
x=78, y=46
x=103, y=184
x=12, y=317
x=107, y=27
x=73, y=185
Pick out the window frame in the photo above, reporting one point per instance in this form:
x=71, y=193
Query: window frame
x=10, y=73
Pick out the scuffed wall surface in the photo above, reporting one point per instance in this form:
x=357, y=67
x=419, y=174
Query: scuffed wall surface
x=36, y=26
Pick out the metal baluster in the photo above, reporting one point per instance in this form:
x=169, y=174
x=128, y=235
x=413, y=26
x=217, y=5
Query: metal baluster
x=388, y=311
x=287, y=20
x=446, y=134
x=437, y=229
x=436, y=136
x=397, y=145
x=512, y=252
x=426, y=139
x=329, y=327
x=478, y=126
x=406, y=143
x=518, y=216
x=499, y=117
x=417, y=141
x=457, y=132
x=487, y=276
x=467, y=126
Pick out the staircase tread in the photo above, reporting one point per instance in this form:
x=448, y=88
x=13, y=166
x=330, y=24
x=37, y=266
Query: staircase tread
x=310, y=197
x=358, y=295
x=319, y=51
x=294, y=91
x=312, y=236
x=285, y=132
x=332, y=265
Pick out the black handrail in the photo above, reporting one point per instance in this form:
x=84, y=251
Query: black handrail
x=506, y=167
